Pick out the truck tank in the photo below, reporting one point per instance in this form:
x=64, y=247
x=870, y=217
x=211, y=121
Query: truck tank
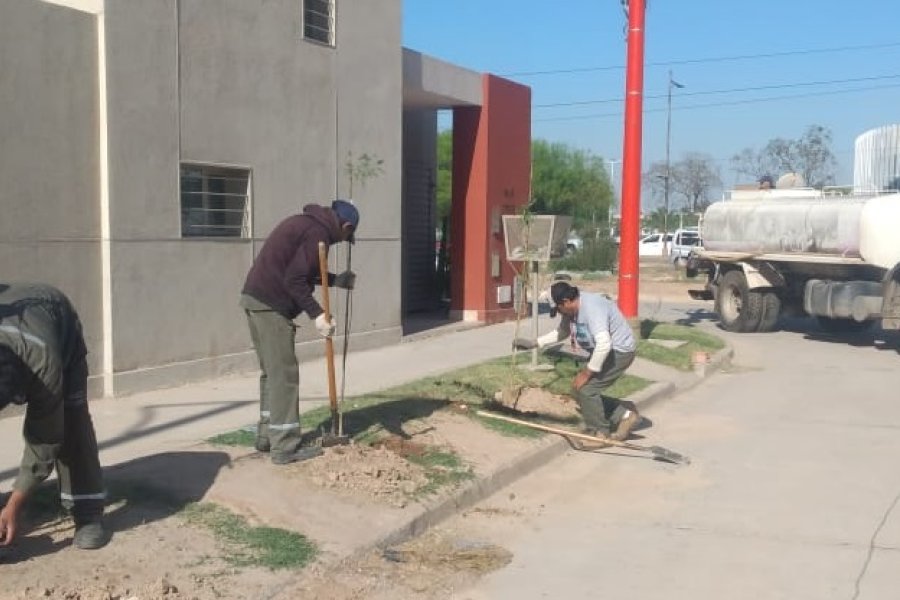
x=855, y=227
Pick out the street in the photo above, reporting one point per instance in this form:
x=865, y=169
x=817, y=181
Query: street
x=792, y=492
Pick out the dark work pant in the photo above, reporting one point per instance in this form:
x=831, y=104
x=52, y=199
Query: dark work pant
x=279, y=381
x=601, y=412
x=78, y=464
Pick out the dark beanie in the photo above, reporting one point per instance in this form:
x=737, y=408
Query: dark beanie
x=346, y=213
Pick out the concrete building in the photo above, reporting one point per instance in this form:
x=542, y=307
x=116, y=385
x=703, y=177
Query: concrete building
x=147, y=149
x=876, y=161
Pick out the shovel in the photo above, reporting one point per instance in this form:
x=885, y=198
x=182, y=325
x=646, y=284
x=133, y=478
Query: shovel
x=336, y=437
x=658, y=452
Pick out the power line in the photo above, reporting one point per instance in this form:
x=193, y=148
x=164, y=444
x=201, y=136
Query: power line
x=729, y=103
x=725, y=91
x=712, y=59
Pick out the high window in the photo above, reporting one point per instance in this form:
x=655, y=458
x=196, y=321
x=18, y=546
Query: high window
x=318, y=21
x=215, y=201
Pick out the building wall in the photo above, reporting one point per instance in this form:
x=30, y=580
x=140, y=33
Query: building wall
x=49, y=230
x=228, y=82
x=491, y=167
x=233, y=82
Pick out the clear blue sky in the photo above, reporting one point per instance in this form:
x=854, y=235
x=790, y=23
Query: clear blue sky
x=515, y=37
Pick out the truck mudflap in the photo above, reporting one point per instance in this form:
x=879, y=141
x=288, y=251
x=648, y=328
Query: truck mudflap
x=701, y=294
x=890, y=307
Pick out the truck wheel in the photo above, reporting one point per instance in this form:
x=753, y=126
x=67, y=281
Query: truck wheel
x=739, y=310
x=771, y=310
x=840, y=325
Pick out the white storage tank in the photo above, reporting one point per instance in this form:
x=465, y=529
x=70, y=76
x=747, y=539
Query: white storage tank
x=856, y=227
x=876, y=160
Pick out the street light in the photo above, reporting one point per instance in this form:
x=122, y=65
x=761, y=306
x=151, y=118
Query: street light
x=668, y=175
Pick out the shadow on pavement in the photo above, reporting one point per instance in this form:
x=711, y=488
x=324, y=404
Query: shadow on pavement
x=139, y=491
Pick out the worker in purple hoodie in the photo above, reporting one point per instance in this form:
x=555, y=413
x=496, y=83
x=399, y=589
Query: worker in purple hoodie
x=278, y=288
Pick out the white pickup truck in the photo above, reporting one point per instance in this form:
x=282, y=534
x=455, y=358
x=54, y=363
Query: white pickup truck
x=683, y=242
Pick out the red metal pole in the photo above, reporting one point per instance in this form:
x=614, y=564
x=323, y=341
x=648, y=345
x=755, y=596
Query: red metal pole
x=631, y=162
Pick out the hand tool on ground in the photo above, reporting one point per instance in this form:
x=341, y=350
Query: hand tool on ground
x=335, y=437
x=658, y=452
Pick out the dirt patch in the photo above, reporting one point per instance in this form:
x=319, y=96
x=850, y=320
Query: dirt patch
x=432, y=566
x=380, y=472
x=537, y=402
x=348, y=497
x=161, y=560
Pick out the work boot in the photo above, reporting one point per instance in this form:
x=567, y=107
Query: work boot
x=299, y=455
x=90, y=535
x=627, y=424
x=262, y=445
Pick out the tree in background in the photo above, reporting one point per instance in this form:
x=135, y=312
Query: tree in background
x=566, y=181
x=445, y=173
x=694, y=178
x=810, y=156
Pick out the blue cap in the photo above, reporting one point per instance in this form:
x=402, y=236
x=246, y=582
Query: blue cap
x=346, y=213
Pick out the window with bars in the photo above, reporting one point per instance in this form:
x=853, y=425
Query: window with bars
x=215, y=201
x=318, y=21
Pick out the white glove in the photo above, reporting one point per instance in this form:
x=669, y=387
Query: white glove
x=325, y=326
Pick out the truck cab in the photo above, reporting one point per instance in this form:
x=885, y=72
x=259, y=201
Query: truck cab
x=683, y=242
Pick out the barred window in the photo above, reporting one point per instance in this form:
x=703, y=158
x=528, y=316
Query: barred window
x=318, y=21
x=215, y=201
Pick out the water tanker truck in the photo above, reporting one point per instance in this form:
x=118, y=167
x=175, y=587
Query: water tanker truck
x=768, y=253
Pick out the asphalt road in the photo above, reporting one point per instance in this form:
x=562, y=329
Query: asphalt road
x=792, y=493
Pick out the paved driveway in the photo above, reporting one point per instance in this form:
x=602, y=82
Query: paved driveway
x=792, y=493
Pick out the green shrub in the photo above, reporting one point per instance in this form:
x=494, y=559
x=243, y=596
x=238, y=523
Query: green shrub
x=597, y=255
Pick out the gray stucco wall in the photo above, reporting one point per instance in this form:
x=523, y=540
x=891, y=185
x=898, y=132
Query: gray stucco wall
x=233, y=82
x=228, y=82
x=49, y=230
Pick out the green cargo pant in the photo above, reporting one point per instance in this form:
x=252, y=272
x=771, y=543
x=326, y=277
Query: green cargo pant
x=273, y=338
x=78, y=464
x=602, y=413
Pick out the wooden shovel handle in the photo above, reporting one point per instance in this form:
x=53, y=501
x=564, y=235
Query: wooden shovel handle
x=329, y=343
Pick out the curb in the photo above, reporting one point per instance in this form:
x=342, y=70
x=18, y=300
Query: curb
x=432, y=514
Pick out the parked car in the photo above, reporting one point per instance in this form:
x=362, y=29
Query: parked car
x=652, y=245
x=574, y=243
x=684, y=241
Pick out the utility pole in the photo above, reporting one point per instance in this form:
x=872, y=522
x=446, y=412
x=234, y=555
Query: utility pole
x=631, y=161
x=672, y=83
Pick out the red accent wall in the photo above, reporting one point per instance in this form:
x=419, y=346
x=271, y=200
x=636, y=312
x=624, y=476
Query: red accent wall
x=491, y=177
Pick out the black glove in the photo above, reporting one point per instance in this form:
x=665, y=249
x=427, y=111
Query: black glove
x=523, y=344
x=346, y=280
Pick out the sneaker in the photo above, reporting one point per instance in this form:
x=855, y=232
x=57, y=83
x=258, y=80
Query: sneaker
x=262, y=445
x=91, y=535
x=627, y=424
x=298, y=455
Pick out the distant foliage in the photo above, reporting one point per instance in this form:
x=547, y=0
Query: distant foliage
x=597, y=255
x=564, y=181
x=810, y=156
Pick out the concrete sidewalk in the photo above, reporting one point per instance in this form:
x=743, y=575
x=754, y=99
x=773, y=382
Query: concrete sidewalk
x=180, y=418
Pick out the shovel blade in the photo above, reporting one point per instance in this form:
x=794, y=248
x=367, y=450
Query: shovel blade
x=667, y=455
